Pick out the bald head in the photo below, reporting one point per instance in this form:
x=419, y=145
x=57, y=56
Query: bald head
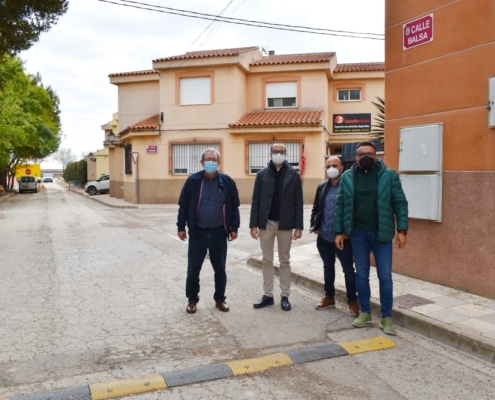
x=333, y=162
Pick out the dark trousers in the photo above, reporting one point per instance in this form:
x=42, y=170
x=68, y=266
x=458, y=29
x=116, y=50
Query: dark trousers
x=215, y=242
x=327, y=252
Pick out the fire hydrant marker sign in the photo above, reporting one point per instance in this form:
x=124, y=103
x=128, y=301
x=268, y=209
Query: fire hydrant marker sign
x=418, y=32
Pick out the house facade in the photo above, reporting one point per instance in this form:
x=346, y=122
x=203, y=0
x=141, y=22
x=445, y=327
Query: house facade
x=239, y=102
x=440, y=90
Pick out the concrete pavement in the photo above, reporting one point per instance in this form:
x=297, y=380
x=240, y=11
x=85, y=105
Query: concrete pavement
x=452, y=317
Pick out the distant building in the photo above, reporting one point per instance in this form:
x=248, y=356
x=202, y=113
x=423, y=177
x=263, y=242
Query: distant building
x=239, y=102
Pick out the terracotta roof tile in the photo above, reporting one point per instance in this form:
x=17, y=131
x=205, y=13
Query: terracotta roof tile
x=280, y=118
x=209, y=53
x=148, y=123
x=362, y=67
x=294, y=58
x=144, y=72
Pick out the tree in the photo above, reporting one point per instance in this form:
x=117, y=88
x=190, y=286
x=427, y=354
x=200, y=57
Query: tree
x=64, y=157
x=29, y=118
x=22, y=21
x=379, y=127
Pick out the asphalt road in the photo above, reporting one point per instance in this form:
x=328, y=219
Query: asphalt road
x=90, y=294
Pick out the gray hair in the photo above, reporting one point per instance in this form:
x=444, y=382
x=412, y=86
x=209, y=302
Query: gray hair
x=210, y=150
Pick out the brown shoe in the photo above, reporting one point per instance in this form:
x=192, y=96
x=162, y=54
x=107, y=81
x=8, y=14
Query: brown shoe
x=222, y=306
x=326, y=302
x=191, y=308
x=354, y=309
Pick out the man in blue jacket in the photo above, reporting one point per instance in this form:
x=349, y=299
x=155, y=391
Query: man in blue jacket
x=371, y=205
x=277, y=211
x=209, y=206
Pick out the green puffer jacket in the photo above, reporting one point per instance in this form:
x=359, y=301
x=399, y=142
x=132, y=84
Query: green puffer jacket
x=391, y=202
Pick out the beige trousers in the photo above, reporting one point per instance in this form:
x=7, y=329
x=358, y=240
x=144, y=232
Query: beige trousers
x=284, y=241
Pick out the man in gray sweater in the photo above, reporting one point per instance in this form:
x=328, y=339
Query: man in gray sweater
x=277, y=212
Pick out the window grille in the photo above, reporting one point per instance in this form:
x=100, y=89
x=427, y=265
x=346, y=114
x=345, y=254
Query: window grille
x=259, y=153
x=186, y=156
x=128, y=159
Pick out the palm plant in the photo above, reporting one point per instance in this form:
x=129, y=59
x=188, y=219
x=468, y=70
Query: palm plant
x=378, y=129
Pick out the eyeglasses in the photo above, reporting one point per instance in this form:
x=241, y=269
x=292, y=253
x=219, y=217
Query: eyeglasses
x=278, y=152
x=361, y=155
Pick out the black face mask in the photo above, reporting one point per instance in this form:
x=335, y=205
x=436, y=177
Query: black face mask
x=366, y=163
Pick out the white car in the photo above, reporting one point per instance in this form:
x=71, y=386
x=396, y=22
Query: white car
x=101, y=185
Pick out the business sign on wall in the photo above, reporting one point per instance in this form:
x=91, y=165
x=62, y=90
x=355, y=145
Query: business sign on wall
x=418, y=32
x=351, y=123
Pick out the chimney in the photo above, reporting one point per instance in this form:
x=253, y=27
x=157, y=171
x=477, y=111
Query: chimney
x=271, y=52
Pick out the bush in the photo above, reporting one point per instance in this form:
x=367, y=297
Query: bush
x=76, y=171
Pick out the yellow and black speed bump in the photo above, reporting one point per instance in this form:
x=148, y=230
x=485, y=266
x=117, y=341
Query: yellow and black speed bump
x=194, y=375
x=126, y=387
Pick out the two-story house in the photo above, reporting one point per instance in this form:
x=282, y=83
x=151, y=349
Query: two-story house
x=239, y=102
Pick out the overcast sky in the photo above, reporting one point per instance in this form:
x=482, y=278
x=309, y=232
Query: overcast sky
x=94, y=39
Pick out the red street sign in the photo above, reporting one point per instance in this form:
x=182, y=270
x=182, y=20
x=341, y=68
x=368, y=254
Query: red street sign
x=418, y=32
x=28, y=171
x=152, y=149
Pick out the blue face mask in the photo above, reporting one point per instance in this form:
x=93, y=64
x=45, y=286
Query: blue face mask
x=211, y=166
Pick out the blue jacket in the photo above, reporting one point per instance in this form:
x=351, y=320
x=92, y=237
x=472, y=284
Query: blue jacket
x=189, y=201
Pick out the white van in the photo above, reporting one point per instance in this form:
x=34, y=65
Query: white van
x=28, y=183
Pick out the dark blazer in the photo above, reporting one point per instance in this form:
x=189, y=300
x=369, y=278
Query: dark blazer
x=291, y=203
x=321, y=193
x=189, y=200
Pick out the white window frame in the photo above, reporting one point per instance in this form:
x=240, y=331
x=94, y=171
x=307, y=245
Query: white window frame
x=259, y=155
x=349, y=94
x=187, y=156
x=195, y=90
x=281, y=91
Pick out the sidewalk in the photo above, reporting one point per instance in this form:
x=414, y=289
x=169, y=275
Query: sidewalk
x=454, y=318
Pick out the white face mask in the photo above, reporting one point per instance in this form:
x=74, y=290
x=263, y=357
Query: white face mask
x=333, y=172
x=278, y=159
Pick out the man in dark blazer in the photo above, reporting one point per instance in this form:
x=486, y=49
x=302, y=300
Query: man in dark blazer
x=277, y=212
x=209, y=206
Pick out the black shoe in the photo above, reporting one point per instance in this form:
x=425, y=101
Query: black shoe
x=285, y=304
x=264, y=302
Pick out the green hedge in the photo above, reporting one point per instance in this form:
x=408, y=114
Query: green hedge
x=76, y=171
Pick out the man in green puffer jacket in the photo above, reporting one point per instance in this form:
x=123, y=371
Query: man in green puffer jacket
x=369, y=203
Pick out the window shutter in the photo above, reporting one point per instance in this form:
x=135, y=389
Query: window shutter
x=276, y=90
x=195, y=90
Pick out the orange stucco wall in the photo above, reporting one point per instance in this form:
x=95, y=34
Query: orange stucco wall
x=446, y=81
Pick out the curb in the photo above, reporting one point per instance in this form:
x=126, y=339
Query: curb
x=473, y=344
x=101, y=202
x=7, y=196
x=160, y=381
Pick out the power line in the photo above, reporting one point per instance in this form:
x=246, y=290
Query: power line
x=247, y=20
x=314, y=31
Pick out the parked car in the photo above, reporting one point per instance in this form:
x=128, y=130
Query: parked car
x=28, y=183
x=101, y=185
x=48, y=178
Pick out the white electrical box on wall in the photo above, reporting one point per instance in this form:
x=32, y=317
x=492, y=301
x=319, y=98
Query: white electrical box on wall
x=491, y=102
x=421, y=148
x=424, y=195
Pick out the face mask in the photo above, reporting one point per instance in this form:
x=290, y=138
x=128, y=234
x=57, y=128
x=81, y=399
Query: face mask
x=211, y=166
x=278, y=159
x=366, y=163
x=333, y=172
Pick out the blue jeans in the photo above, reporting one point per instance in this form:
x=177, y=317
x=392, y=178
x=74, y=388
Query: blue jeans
x=363, y=243
x=327, y=252
x=216, y=242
